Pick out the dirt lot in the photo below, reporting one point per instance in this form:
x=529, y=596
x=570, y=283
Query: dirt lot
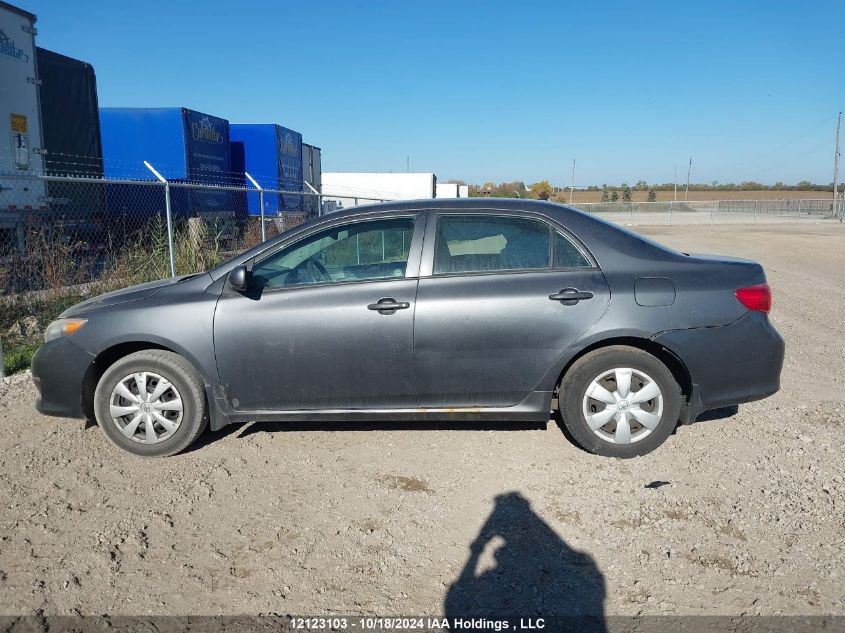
x=409, y=520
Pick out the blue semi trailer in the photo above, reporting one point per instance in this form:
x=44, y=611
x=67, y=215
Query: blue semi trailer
x=184, y=146
x=271, y=154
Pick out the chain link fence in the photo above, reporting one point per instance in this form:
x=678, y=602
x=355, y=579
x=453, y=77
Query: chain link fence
x=717, y=211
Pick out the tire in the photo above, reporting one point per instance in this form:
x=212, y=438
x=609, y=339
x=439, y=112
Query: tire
x=649, y=422
x=185, y=390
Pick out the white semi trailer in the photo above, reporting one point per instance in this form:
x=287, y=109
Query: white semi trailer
x=20, y=123
x=350, y=189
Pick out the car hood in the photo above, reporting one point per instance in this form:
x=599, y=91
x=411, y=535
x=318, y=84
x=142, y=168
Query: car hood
x=125, y=295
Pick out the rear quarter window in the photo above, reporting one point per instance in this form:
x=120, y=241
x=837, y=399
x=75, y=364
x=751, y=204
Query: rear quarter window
x=568, y=255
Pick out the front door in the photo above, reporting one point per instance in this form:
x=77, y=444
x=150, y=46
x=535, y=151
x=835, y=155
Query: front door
x=327, y=322
x=486, y=330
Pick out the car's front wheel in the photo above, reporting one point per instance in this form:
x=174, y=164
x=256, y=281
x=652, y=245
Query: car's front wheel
x=619, y=401
x=151, y=403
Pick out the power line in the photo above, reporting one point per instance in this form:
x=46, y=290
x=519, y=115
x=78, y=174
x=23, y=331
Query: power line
x=795, y=157
x=816, y=126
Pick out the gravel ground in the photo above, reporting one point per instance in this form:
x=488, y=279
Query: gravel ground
x=744, y=513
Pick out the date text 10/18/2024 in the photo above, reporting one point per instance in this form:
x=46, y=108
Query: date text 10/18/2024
x=409, y=624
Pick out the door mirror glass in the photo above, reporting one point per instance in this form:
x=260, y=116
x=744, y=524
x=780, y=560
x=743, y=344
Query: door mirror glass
x=239, y=278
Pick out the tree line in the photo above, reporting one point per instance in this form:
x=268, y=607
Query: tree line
x=544, y=190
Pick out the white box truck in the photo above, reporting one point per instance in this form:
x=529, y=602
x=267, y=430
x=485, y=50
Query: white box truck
x=349, y=189
x=20, y=122
x=447, y=190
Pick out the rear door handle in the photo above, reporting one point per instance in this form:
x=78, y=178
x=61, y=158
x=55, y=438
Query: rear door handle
x=388, y=305
x=571, y=296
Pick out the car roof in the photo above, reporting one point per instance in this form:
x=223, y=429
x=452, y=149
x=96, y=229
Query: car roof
x=457, y=204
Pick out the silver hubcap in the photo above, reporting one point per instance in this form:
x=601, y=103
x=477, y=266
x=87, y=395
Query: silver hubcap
x=146, y=407
x=623, y=405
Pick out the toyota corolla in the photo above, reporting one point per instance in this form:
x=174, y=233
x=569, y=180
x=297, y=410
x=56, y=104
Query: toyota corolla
x=470, y=309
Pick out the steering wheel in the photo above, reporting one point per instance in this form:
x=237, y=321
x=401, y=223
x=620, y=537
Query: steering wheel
x=314, y=269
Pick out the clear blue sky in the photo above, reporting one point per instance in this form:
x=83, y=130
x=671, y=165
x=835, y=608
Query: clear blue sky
x=491, y=90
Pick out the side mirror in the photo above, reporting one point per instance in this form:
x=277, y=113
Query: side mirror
x=239, y=278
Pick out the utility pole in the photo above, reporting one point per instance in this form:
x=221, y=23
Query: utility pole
x=689, y=171
x=836, y=168
x=572, y=182
x=675, y=199
x=408, y=164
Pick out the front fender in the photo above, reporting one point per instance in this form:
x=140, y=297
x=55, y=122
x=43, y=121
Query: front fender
x=208, y=375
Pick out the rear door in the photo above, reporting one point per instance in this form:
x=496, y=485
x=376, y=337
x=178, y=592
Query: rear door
x=500, y=297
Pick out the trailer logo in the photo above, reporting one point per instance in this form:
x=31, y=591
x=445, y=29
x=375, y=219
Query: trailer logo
x=8, y=48
x=204, y=130
x=288, y=146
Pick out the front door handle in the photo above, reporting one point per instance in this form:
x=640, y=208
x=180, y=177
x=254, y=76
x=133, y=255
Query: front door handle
x=571, y=296
x=388, y=305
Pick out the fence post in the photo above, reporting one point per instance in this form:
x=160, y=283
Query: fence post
x=260, y=203
x=756, y=204
x=169, y=228
x=319, y=197
x=169, y=217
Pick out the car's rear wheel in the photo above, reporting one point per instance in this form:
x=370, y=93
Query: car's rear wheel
x=151, y=403
x=619, y=401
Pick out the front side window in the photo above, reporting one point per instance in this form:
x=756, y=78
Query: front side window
x=480, y=243
x=376, y=249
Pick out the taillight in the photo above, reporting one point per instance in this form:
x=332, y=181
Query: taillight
x=757, y=298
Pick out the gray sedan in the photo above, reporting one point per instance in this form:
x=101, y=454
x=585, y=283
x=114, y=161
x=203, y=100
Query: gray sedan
x=471, y=309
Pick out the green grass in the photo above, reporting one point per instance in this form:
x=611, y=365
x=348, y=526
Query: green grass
x=19, y=358
x=145, y=258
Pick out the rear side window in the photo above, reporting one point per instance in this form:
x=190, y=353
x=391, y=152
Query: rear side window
x=480, y=243
x=567, y=255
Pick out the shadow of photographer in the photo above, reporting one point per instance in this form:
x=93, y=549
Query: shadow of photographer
x=519, y=567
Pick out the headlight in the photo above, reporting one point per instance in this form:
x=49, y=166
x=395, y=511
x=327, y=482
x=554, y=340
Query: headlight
x=62, y=327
